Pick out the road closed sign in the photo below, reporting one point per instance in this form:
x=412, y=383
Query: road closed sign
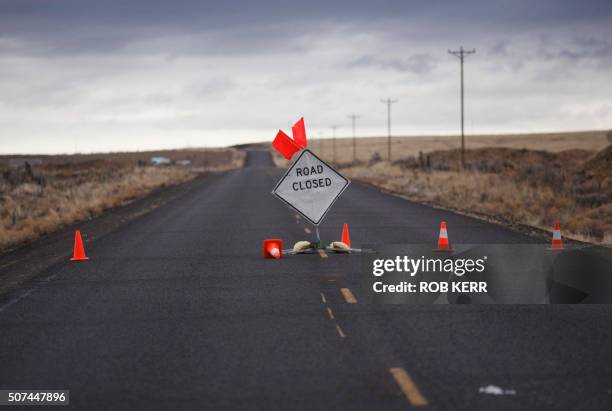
x=310, y=186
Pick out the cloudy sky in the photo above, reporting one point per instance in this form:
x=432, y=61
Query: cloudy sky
x=126, y=75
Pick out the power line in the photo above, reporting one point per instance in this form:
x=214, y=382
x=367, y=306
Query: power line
x=388, y=102
x=354, y=118
x=461, y=53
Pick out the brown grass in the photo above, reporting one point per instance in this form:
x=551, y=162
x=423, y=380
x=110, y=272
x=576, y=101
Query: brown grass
x=60, y=190
x=410, y=146
x=570, y=181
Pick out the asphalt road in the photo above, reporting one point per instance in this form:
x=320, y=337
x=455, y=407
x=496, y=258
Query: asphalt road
x=177, y=310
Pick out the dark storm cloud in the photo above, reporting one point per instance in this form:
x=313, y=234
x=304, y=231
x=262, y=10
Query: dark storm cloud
x=581, y=48
x=499, y=49
x=102, y=26
x=419, y=63
x=118, y=71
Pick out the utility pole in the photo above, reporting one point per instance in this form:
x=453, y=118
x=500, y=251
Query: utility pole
x=354, y=118
x=461, y=53
x=334, y=140
x=388, y=102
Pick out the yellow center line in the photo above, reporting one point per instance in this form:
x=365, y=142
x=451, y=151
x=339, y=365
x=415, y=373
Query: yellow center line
x=408, y=386
x=340, y=332
x=348, y=295
x=331, y=314
x=322, y=253
x=307, y=230
x=323, y=298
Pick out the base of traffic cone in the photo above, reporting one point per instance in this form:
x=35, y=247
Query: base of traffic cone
x=449, y=248
x=273, y=248
x=559, y=247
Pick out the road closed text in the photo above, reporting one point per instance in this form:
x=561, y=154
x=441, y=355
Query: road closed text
x=315, y=180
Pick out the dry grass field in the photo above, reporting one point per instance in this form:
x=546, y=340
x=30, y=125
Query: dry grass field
x=526, y=179
x=41, y=194
x=411, y=146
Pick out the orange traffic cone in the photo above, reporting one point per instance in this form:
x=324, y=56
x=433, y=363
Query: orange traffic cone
x=79, y=250
x=273, y=248
x=443, y=244
x=346, y=237
x=557, y=242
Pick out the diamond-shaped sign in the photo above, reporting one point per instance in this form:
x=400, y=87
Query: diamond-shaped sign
x=310, y=186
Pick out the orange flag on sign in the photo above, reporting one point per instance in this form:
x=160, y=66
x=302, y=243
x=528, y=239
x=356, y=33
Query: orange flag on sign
x=299, y=133
x=288, y=146
x=285, y=145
